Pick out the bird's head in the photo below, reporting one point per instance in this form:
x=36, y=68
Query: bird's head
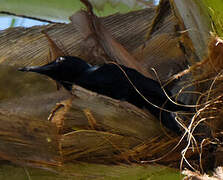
x=62, y=69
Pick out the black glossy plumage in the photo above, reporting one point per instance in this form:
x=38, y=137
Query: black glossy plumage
x=110, y=80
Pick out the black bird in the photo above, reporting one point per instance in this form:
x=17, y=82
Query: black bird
x=110, y=80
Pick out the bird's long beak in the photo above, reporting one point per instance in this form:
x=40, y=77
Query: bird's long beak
x=38, y=69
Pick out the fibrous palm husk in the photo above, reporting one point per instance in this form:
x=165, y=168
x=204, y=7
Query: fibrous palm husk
x=89, y=126
x=207, y=119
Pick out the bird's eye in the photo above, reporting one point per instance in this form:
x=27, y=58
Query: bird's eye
x=60, y=59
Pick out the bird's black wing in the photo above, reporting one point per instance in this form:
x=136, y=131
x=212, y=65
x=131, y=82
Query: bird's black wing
x=107, y=80
x=147, y=87
x=126, y=84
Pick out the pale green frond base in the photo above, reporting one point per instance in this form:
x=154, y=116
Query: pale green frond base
x=215, y=8
x=91, y=171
